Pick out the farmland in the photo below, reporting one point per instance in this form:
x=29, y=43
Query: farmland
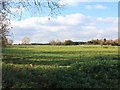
x=60, y=66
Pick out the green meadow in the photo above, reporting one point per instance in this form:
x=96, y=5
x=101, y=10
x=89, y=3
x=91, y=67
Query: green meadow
x=89, y=66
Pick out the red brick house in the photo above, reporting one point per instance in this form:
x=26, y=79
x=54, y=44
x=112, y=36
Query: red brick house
x=4, y=41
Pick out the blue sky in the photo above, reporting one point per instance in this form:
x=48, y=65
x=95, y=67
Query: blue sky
x=111, y=9
x=78, y=21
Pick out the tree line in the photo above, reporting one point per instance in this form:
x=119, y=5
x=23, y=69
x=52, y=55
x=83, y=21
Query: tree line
x=91, y=42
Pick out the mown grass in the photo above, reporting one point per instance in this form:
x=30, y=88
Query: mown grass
x=60, y=67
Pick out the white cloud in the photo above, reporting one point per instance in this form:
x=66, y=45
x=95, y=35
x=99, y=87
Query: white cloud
x=107, y=20
x=88, y=7
x=100, y=7
x=77, y=27
x=95, y=7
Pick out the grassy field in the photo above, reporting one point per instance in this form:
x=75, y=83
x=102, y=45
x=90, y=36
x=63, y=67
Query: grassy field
x=60, y=67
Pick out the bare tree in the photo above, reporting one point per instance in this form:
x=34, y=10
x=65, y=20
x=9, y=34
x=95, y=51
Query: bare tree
x=51, y=6
x=26, y=40
x=4, y=28
x=55, y=42
x=4, y=25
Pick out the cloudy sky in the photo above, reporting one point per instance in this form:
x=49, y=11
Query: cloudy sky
x=78, y=21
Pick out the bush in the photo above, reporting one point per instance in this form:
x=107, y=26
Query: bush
x=115, y=44
x=68, y=42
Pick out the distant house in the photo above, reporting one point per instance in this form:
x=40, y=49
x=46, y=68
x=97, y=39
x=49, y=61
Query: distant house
x=4, y=41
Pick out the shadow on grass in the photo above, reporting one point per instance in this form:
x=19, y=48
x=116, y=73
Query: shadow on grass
x=79, y=75
x=39, y=62
x=55, y=60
